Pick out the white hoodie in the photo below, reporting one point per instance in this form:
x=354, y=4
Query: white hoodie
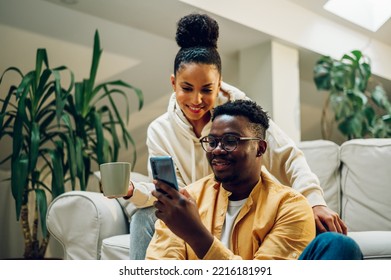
x=171, y=134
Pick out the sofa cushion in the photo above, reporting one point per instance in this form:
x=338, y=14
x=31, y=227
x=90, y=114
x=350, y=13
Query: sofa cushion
x=323, y=158
x=116, y=247
x=373, y=244
x=366, y=184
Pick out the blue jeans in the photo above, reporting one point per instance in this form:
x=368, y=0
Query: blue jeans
x=142, y=228
x=332, y=246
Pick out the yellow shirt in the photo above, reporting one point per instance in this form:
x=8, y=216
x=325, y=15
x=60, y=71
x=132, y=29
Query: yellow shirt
x=276, y=222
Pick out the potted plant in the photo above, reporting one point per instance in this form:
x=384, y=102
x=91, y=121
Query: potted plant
x=95, y=119
x=53, y=130
x=31, y=115
x=359, y=103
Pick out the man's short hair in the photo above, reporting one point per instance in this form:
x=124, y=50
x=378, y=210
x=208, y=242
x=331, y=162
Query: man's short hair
x=258, y=118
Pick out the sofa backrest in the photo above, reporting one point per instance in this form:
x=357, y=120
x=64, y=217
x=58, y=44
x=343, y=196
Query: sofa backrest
x=366, y=184
x=323, y=158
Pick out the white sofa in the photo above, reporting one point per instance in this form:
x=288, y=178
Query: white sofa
x=356, y=178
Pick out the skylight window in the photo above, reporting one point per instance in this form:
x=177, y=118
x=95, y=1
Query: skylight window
x=370, y=14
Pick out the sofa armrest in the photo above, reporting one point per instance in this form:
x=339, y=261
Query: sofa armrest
x=80, y=220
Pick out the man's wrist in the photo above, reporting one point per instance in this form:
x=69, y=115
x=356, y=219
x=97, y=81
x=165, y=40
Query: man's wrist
x=130, y=191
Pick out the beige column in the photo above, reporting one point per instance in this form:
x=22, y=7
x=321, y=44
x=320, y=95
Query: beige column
x=269, y=74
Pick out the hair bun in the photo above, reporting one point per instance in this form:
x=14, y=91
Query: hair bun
x=197, y=30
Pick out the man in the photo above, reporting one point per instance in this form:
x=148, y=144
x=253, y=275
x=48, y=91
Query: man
x=237, y=212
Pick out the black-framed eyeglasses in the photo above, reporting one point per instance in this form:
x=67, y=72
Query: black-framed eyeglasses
x=228, y=142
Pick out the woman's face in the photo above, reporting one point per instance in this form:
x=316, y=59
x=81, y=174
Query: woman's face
x=196, y=86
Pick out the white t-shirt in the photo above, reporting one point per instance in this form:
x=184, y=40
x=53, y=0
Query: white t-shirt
x=232, y=212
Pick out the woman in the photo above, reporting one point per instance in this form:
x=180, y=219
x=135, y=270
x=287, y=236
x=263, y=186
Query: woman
x=198, y=88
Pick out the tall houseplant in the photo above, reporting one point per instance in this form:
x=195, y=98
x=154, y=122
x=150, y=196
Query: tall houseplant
x=359, y=104
x=95, y=119
x=31, y=116
x=55, y=133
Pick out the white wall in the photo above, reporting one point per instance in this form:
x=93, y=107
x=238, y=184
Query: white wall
x=286, y=90
x=269, y=74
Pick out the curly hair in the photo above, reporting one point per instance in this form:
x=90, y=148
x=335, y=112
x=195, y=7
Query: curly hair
x=197, y=36
x=258, y=118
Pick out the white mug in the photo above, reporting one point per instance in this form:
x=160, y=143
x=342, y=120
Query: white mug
x=115, y=178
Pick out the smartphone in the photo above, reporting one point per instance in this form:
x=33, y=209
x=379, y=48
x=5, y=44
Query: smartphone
x=163, y=170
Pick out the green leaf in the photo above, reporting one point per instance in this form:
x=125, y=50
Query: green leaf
x=60, y=102
x=379, y=97
x=120, y=83
x=79, y=97
x=71, y=78
x=351, y=127
x=25, y=85
x=387, y=118
x=322, y=75
x=80, y=167
x=43, y=79
x=47, y=120
x=3, y=112
x=107, y=151
x=99, y=138
x=340, y=105
x=18, y=137
x=370, y=115
x=34, y=145
x=87, y=173
x=365, y=71
x=110, y=127
x=42, y=209
x=71, y=156
x=95, y=63
x=7, y=99
x=357, y=100
x=41, y=58
x=57, y=173
x=9, y=69
x=19, y=180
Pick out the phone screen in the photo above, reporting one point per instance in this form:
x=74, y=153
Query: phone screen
x=163, y=170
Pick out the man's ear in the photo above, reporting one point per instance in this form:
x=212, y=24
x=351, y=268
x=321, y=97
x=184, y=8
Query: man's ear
x=262, y=145
x=173, y=82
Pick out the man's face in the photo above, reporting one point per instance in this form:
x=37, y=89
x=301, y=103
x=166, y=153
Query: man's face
x=238, y=166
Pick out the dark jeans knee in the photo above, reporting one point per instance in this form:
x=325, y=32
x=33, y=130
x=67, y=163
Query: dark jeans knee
x=332, y=246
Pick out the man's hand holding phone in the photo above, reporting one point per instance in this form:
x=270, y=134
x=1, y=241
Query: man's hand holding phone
x=179, y=211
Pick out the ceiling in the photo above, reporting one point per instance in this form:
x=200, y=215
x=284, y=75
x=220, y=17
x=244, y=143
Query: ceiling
x=149, y=15
x=152, y=17
x=316, y=6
